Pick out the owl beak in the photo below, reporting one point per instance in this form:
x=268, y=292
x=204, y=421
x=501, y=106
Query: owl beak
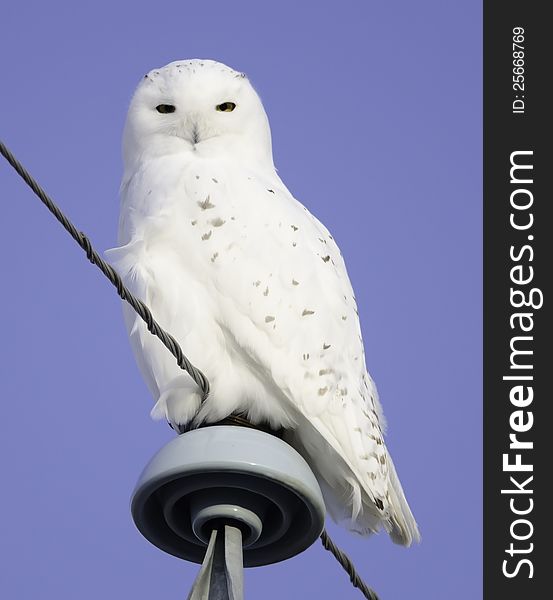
x=191, y=130
x=192, y=136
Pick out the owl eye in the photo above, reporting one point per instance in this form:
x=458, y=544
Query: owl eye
x=226, y=107
x=165, y=108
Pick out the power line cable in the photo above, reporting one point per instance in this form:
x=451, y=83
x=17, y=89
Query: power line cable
x=142, y=310
x=348, y=566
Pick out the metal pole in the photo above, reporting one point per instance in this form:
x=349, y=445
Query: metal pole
x=221, y=576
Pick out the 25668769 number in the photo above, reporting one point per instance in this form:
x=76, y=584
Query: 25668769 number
x=518, y=68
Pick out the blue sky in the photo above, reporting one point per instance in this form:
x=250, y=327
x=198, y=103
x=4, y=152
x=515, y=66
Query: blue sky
x=375, y=111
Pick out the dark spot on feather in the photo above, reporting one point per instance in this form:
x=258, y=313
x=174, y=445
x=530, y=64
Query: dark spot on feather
x=306, y=312
x=269, y=318
x=206, y=236
x=206, y=204
x=326, y=258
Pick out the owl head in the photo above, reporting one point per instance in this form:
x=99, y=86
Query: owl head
x=198, y=106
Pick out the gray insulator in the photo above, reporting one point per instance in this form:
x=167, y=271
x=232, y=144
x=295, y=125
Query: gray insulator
x=237, y=476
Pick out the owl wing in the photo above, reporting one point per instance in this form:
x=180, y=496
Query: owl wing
x=158, y=281
x=290, y=310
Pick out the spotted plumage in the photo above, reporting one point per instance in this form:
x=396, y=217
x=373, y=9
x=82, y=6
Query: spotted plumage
x=252, y=286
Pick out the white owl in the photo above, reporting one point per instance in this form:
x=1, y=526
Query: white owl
x=252, y=286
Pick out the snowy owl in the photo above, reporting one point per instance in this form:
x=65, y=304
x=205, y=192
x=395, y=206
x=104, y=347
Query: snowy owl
x=252, y=286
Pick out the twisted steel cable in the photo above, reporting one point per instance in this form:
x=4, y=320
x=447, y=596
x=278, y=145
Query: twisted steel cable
x=141, y=309
x=348, y=566
x=153, y=327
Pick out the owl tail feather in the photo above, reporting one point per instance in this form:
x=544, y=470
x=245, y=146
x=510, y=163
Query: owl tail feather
x=346, y=499
x=400, y=523
x=402, y=526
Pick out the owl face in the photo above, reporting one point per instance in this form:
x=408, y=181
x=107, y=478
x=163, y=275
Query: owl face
x=196, y=105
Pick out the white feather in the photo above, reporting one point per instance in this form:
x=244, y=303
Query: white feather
x=252, y=286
